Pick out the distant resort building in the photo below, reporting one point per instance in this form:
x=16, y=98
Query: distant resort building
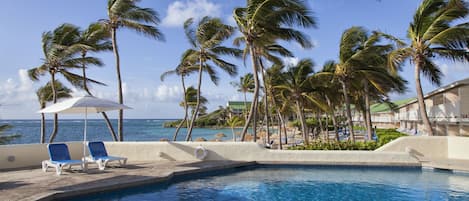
x=237, y=107
x=447, y=108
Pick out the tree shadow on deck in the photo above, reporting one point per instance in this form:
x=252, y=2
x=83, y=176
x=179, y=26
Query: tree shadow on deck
x=12, y=184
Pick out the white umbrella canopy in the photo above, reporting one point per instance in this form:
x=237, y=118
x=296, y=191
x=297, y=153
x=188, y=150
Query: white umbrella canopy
x=84, y=105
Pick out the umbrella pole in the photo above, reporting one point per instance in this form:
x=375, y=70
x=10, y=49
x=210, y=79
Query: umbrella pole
x=84, y=134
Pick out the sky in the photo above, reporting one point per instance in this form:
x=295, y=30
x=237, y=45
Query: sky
x=143, y=60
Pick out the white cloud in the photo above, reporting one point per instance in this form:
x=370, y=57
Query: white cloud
x=168, y=93
x=453, y=71
x=180, y=11
x=290, y=61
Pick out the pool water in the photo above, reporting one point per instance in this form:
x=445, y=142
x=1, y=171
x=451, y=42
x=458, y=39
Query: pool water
x=271, y=183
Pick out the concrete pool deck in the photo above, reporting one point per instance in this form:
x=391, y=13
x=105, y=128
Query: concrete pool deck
x=34, y=184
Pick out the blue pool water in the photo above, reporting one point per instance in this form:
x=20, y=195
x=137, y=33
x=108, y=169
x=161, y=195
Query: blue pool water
x=270, y=183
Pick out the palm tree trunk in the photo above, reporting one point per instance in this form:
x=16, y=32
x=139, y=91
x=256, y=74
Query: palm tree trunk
x=302, y=122
x=368, y=124
x=349, y=112
x=423, y=109
x=185, y=109
x=56, y=116
x=327, y=127
x=266, y=102
x=194, y=114
x=245, y=107
x=253, y=109
x=120, y=122
x=280, y=126
x=43, y=127
x=321, y=127
x=334, y=121
x=85, y=87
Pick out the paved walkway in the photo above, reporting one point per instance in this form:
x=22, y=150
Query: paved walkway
x=34, y=184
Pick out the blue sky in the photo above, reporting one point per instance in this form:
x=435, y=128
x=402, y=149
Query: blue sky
x=143, y=60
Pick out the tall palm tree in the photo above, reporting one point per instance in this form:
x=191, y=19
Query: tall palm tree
x=60, y=48
x=264, y=21
x=362, y=60
x=296, y=87
x=434, y=33
x=206, y=40
x=245, y=85
x=44, y=95
x=126, y=14
x=183, y=69
x=97, y=40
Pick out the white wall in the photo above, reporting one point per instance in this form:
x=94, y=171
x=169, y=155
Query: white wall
x=458, y=148
x=31, y=155
x=433, y=147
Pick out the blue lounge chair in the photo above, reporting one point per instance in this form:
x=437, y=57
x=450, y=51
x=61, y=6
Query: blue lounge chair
x=98, y=154
x=59, y=158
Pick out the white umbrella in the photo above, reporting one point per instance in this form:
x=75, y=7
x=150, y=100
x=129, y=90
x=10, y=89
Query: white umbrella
x=84, y=104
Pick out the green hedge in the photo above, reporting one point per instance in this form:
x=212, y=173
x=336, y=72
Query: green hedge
x=387, y=135
x=384, y=136
x=334, y=145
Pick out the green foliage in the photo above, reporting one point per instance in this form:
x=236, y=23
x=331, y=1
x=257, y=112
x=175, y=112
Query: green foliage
x=334, y=145
x=384, y=136
x=5, y=139
x=387, y=135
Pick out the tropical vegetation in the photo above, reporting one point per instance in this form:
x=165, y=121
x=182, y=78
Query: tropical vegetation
x=315, y=100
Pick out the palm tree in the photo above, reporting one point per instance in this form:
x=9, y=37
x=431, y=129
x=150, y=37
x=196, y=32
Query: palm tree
x=434, y=33
x=264, y=21
x=233, y=122
x=245, y=85
x=361, y=61
x=44, y=95
x=60, y=47
x=97, y=40
x=183, y=69
x=296, y=87
x=126, y=14
x=206, y=40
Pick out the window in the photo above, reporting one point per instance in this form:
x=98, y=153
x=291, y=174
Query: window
x=438, y=99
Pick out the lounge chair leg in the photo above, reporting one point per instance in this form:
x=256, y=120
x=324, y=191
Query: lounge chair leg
x=101, y=165
x=44, y=166
x=58, y=170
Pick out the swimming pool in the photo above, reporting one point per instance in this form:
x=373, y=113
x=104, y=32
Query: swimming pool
x=303, y=183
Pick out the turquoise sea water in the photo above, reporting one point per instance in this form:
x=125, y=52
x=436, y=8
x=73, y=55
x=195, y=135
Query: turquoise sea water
x=134, y=130
x=313, y=183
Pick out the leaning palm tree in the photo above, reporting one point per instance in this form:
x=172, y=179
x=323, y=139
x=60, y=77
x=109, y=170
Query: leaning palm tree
x=97, y=39
x=44, y=95
x=60, y=48
x=187, y=66
x=362, y=60
x=206, y=40
x=245, y=85
x=434, y=33
x=262, y=22
x=297, y=87
x=183, y=69
x=126, y=14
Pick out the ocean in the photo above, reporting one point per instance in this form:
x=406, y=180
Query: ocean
x=134, y=130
